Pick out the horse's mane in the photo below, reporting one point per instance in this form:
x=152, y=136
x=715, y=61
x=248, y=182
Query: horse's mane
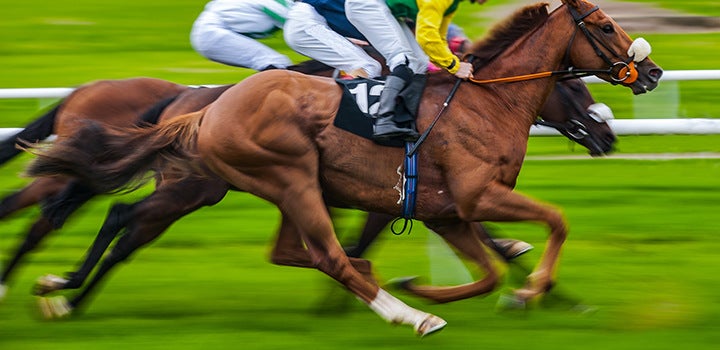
x=507, y=32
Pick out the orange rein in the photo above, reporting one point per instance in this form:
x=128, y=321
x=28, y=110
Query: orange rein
x=627, y=75
x=512, y=79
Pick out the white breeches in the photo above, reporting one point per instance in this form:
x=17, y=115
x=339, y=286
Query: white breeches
x=394, y=40
x=309, y=34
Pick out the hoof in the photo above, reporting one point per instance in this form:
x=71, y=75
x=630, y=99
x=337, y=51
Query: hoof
x=3, y=291
x=401, y=283
x=431, y=324
x=54, y=308
x=512, y=248
x=510, y=302
x=526, y=294
x=47, y=284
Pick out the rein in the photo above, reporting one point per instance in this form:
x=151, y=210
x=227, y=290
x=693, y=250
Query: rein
x=626, y=72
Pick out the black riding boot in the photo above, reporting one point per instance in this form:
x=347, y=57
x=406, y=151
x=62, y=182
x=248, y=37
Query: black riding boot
x=386, y=126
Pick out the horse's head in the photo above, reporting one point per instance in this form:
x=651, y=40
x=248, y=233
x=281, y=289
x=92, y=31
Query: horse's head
x=571, y=110
x=600, y=43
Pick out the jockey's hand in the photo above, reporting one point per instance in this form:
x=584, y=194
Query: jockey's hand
x=464, y=71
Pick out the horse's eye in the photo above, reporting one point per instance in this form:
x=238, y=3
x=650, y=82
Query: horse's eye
x=608, y=28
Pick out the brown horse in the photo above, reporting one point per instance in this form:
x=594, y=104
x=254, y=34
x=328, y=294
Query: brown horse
x=114, y=102
x=574, y=113
x=271, y=135
x=570, y=109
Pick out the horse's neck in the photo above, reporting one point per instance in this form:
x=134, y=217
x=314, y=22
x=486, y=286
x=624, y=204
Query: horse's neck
x=541, y=50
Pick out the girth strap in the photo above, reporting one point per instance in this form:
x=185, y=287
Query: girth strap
x=410, y=186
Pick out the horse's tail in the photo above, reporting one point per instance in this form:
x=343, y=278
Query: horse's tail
x=38, y=130
x=111, y=159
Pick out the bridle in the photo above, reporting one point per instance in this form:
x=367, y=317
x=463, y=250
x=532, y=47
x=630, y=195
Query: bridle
x=626, y=72
x=574, y=129
x=619, y=72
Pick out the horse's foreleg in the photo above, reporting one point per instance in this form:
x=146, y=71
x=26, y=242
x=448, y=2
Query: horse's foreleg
x=39, y=189
x=116, y=220
x=39, y=230
x=499, y=203
x=464, y=239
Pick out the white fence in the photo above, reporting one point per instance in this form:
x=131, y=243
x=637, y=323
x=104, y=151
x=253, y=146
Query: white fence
x=692, y=126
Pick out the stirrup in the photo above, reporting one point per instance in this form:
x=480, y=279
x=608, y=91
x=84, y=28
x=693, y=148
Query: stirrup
x=393, y=132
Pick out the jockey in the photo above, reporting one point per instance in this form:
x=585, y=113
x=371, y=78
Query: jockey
x=406, y=55
x=320, y=29
x=316, y=28
x=226, y=32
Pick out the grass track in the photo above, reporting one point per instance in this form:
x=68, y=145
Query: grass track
x=642, y=248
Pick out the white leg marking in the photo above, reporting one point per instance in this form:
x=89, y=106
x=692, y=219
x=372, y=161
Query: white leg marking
x=393, y=310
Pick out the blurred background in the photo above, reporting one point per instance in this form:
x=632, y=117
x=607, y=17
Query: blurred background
x=639, y=269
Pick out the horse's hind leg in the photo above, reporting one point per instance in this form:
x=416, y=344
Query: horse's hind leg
x=38, y=190
x=303, y=205
x=289, y=250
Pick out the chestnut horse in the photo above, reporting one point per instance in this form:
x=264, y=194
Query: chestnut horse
x=574, y=114
x=570, y=109
x=271, y=135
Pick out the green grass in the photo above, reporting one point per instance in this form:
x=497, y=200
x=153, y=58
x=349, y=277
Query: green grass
x=642, y=248
x=641, y=252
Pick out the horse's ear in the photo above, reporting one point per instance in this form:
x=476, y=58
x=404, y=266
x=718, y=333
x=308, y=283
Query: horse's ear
x=572, y=3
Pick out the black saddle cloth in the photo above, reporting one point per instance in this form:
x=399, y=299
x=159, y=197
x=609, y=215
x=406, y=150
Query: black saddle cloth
x=360, y=99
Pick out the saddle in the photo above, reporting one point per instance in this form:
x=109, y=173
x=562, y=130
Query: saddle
x=359, y=103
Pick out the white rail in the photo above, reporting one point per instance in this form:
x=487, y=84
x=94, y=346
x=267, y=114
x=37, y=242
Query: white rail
x=689, y=126
x=698, y=126
x=675, y=75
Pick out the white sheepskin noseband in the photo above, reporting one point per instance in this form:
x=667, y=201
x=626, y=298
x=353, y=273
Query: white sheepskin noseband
x=640, y=48
x=600, y=112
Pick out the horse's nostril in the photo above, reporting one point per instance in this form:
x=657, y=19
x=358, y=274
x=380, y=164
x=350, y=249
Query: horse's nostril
x=656, y=73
